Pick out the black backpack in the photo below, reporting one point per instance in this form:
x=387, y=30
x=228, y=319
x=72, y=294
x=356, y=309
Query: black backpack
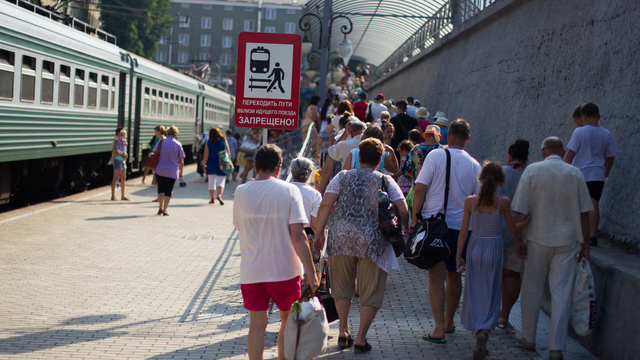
x=427, y=245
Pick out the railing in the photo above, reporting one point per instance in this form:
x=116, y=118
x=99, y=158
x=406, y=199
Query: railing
x=66, y=19
x=432, y=30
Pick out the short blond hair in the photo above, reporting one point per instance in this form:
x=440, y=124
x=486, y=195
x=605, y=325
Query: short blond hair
x=385, y=116
x=173, y=131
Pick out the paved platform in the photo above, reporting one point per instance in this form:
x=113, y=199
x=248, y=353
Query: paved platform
x=88, y=278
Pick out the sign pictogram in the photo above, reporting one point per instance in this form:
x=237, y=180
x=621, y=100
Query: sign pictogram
x=268, y=80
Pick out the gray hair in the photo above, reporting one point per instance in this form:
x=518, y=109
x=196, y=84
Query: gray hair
x=357, y=125
x=301, y=169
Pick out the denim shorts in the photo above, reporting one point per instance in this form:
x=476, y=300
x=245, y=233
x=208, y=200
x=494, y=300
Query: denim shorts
x=119, y=164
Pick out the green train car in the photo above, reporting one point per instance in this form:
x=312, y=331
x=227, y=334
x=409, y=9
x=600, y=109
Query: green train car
x=63, y=93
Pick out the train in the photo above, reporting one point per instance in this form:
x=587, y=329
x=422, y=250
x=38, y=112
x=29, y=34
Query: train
x=63, y=92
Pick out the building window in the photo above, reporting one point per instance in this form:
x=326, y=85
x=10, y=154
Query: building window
x=184, y=5
x=183, y=57
x=47, y=74
x=204, y=56
x=291, y=11
x=248, y=25
x=225, y=59
x=227, y=24
x=205, y=22
x=205, y=40
x=228, y=8
x=161, y=56
x=248, y=8
x=270, y=29
x=163, y=40
x=290, y=28
x=183, y=39
x=7, y=67
x=227, y=41
x=206, y=7
x=28, y=79
x=184, y=21
x=270, y=14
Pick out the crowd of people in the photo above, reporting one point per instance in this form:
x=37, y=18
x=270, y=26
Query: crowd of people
x=508, y=226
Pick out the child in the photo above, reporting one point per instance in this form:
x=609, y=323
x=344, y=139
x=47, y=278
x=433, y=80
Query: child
x=119, y=146
x=405, y=184
x=482, y=289
x=118, y=155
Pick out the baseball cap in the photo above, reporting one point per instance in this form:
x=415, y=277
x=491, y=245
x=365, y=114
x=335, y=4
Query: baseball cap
x=380, y=96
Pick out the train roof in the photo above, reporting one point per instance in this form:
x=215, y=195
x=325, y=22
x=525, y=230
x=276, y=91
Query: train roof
x=54, y=35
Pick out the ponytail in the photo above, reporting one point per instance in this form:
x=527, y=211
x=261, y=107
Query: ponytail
x=491, y=177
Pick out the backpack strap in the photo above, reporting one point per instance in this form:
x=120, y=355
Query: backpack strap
x=446, y=188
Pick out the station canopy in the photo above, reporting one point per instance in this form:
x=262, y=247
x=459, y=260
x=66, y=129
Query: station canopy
x=374, y=38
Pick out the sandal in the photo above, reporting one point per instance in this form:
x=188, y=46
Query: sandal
x=220, y=200
x=160, y=212
x=345, y=342
x=164, y=213
x=124, y=199
x=359, y=349
x=113, y=198
x=453, y=331
x=481, y=351
x=502, y=326
x=437, y=341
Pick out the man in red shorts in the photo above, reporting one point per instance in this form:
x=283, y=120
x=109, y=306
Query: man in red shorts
x=270, y=217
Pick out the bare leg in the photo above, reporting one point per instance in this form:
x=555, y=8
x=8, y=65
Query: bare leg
x=454, y=291
x=123, y=182
x=166, y=203
x=145, y=172
x=160, y=201
x=212, y=194
x=343, y=307
x=280, y=342
x=437, y=298
x=510, y=291
x=367, y=314
x=114, y=181
x=220, y=190
x=255, y=341
x=594, y=218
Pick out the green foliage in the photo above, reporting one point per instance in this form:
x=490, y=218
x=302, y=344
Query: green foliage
x=139, y=27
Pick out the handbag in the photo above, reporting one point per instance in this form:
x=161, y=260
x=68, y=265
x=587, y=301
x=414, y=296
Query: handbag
x=224, y=161
x=155, y=157
x=583, y=300
x=307, y=329
x=369, y=117
x=389, y=224
x=427, y=245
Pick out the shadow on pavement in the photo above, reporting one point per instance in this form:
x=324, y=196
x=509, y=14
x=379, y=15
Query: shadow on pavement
x=117, y=217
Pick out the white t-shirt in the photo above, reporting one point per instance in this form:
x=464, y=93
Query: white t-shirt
x=463, y=183
x=262, y=212
x=376, y=109
x=311, y=199
x=592, y=144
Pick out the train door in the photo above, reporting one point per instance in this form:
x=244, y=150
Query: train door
x=122, y=98
x=136, y=125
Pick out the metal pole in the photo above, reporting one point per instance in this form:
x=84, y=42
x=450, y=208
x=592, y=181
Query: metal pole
x=170, y=44
x=260, y=16
x=324, y=48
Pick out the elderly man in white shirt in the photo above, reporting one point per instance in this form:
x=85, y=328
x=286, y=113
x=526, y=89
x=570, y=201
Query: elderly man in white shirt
x=346, y=143
x=555, y=195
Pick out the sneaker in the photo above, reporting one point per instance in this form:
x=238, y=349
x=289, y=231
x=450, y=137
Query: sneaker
x=524, y=343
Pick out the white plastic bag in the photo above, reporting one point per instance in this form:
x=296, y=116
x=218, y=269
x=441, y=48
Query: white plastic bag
x=583, y=300
x=309, y=317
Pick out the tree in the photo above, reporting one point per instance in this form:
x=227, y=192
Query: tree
x=137, y=24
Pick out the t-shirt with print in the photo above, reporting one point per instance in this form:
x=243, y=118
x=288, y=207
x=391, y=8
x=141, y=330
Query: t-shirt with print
x=592, y=144
x=463, y=183
x=262, y=213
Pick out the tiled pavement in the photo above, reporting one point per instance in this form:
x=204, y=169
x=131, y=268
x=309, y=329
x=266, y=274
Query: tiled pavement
x=87, y=278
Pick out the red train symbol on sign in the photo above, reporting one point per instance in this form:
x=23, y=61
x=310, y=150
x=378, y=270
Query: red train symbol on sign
x=259, y=60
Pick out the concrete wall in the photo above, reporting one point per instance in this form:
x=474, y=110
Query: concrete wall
x=520, y=67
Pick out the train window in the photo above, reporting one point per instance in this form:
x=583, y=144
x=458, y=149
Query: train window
x=153, y=102
x=28, y=81
x=159, y=103
x=104, y=93
x=7, y=66
x=113, y=93
x=145, y=111
x=92, y=101
x=46, y=90
x=64, y=85
x=78, y=89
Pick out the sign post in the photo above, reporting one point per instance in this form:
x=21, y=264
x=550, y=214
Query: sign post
x=268, y=81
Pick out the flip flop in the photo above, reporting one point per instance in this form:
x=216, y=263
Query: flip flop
x=437, y=341
x=453, y=331
x=502, y=326
x=125, y=199
x=113, y=198
x=345, y=342
x=359, y=349
x=220, y=200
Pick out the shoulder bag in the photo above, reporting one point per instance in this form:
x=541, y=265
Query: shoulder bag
x=427, y=245
x=389, y=225
x=224, y=161
x=369, y=117
x=155, y=157
x=307, y=330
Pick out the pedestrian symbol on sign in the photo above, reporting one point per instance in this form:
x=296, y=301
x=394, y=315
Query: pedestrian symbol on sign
x=268, y=70
x=278, y=76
